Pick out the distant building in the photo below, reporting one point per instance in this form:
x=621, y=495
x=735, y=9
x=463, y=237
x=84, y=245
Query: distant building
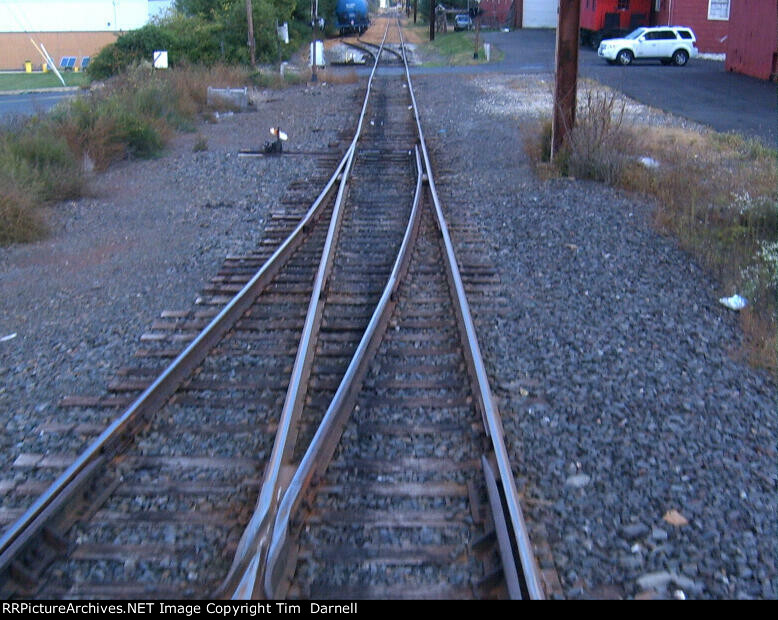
x=79, y=28
x=752, y=43
x=744, y=30
x=540, y=13
x=519, y=13
x=708, y=18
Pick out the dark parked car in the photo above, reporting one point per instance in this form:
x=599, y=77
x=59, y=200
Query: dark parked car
x=463, y=22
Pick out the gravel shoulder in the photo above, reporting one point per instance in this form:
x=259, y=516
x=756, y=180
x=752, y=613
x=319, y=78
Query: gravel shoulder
x=621, y=395
x=614, y=366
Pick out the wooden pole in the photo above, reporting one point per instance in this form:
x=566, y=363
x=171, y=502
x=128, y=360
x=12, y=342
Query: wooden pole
x=252, y=44
x=566, y=73
x=432, y=20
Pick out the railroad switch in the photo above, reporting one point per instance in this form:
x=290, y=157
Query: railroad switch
x=275, y=147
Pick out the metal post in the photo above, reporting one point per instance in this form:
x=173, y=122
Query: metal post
x=566, y=73
x=278, y=45
x=477, y=33
x=315, y=18
x=252, y=44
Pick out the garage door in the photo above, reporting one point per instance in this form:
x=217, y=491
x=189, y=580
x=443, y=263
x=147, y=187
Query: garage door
x=540, y=13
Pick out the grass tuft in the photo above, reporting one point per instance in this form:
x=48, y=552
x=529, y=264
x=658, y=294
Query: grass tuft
x=201, y=144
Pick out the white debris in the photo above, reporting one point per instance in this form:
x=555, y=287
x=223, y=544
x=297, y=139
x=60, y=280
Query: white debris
x=578, y=481
x=736, y=302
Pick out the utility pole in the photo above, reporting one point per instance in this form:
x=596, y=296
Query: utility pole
x=432, y=20
x=415, y=2
x=566, y=73
x=251, y=42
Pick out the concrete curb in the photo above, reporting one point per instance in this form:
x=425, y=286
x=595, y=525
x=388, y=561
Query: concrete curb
x=25, y=91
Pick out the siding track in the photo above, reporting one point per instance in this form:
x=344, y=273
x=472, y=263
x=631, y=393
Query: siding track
x=332, y=379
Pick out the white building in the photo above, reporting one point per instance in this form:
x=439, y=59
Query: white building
x=540, y=13
x=68, y=27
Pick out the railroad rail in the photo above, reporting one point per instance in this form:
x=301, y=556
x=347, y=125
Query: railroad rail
x=385, y=473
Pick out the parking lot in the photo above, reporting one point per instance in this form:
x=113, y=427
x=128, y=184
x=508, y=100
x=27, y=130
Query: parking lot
x=702, y=91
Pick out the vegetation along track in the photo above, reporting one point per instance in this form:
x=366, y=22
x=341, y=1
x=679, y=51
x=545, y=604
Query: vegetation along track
x=349, y=320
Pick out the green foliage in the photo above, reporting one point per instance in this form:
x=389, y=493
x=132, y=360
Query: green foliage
x=201, y=8
x=210, y=31
x=135, y=46
x=195, y=40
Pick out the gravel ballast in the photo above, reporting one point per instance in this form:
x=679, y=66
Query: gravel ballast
x=639, y=439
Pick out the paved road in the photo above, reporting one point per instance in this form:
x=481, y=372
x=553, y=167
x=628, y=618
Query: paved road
x=30, y=103
x=701, y=91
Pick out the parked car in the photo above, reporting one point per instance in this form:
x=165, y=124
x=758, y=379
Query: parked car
x=668, y=44
x=463, y=22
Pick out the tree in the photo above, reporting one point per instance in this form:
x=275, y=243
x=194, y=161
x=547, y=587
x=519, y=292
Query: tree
x=209, y=31
x=208, y=9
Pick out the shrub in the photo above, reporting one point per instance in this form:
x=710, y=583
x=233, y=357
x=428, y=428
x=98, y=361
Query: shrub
x=599, y=146
x=40, y=161
x=132, y=47
x=201, y=144
x=19, y=220
x=131, y=117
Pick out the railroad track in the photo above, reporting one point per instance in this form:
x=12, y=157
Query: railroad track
x=325, y=423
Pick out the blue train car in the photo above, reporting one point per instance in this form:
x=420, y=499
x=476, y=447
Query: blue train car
x=352, y=16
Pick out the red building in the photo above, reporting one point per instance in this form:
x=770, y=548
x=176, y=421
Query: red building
x=606, y=19
x=752, y=45
x=498, y=13
x=708, y=18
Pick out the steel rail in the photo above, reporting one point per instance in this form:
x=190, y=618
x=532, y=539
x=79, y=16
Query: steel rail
x=241, y=581
x=489, y=411
x=157, y=393
x=281, y=554
x=325, y=440
x=368, y=45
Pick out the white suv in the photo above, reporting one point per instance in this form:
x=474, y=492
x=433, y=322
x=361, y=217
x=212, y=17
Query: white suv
x=670, y=44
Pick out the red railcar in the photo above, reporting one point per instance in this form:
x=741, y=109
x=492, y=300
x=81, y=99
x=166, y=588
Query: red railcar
x=605, y=19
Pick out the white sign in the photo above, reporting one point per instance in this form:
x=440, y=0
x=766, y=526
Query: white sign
x=160, y=59
x=283, y=32
x=319, y=54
